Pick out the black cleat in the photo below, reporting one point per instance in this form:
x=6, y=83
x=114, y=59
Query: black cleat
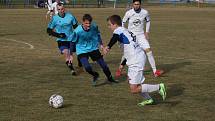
x=95, y=78
x=112, y=80
x=73, y=72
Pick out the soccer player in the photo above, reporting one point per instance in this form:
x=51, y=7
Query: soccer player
x=61, y=26
x=87, y=39
x=52, y=8
x=136, y=59
x=136, y=18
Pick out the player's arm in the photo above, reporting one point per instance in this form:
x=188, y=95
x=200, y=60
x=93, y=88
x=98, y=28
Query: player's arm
x=74, y=22
x=51, y=32
x=147, y=20
x=113, y=41
x=125, y=19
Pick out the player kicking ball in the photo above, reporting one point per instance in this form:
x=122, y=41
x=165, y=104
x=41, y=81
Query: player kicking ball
x=136, y=59
x=87, y=39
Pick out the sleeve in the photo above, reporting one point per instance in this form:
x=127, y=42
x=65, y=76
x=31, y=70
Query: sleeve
x=147, y=19
x=125, y=19
x=113, y=40
x=74, y=21
x=52, y=24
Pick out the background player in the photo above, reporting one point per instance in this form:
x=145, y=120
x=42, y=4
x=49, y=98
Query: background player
x=136, y=18
x=61, y=26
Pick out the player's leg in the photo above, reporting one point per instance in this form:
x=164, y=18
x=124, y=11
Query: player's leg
x=144, y=44
x=64, y=48
x=151, y=60
x=96, y=56
x=121, y=66
x=84, y=60
x=73, y=50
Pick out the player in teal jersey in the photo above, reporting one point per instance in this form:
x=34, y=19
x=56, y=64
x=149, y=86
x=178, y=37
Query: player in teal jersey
x=88, y=40
x=62, y=26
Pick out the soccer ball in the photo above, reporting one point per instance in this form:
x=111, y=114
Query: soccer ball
x=56, y=101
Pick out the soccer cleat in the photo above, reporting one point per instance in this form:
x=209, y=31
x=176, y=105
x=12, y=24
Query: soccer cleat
x=146, y=102
x=162, y=90
x=112, y=80
x=118, y=73
x=158, y=73
x=95, y=78
x=73, y=72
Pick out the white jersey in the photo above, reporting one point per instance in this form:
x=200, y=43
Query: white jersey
x=136, y=21
x=131, y=49
x=54, y=8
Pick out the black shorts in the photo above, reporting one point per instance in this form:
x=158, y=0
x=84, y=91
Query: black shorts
x=94, y=55
x=66, y=45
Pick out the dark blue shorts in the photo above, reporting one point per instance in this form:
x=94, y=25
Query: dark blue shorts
x=94, y=55
x=66, y=45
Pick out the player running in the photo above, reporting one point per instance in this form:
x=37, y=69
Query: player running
x=136, y=59
x=88, y=40
x=136, y=19
x=61, y=26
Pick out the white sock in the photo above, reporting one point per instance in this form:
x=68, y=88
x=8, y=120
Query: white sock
x=151, y=60
x=145, y=95
x=149, y=87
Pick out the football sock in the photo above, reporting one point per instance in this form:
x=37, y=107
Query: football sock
x=149, y=87
x=151, y=60
x=69, y=65
x=145, y=95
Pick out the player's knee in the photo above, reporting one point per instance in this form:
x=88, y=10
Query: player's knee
x=147, y=50
x=134, y=89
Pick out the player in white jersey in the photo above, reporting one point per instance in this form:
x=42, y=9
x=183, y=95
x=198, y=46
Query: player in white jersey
x=136, y=59
x=52, y=8
x=136, y=18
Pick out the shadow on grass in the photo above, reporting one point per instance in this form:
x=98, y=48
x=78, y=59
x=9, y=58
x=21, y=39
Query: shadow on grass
x=172, y=91
x=168, y=67
x=67, y=105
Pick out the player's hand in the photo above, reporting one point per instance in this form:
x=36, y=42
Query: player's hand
x=146, y=35
x=101, y=47
x=62, y=35
x=106, y=50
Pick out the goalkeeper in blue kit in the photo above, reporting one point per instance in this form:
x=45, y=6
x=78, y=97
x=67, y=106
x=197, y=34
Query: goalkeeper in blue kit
x=62, y=26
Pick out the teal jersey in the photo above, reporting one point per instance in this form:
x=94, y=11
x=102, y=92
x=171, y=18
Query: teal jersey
x=86, y=41
x=63, y=25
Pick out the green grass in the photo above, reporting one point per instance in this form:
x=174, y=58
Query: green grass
x=182, y=40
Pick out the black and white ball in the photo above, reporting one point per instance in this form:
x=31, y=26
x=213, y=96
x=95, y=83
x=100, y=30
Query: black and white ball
x=56, y=101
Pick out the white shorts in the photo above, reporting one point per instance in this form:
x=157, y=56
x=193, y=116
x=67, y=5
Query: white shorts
x=142, y=41
x=135, y=75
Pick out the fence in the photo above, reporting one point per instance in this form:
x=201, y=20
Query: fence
x=99, y=3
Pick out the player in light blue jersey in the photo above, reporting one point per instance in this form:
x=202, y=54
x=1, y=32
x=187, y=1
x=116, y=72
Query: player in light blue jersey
x=61, y=26
x=88, y=40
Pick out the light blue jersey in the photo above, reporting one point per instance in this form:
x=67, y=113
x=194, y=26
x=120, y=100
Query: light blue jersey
x=86, y=41
x=63, y=25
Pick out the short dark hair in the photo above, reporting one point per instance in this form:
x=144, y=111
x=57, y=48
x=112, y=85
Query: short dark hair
x=136, y=1
x=60, y=4
x=87, y=17
x=115, y=19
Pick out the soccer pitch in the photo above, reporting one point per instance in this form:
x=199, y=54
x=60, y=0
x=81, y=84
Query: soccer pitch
x=32, y=69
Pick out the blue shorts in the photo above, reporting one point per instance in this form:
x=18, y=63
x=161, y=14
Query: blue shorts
x=66, y=45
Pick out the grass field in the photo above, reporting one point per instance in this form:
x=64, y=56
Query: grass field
x=31, y=70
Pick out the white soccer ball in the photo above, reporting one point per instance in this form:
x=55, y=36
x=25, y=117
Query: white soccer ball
x=56, y=101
